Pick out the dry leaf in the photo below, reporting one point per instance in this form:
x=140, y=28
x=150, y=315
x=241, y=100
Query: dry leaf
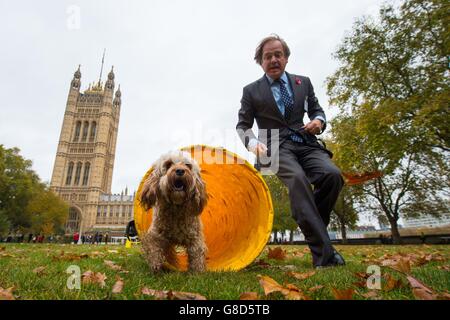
x=301, y=276
x=369, y=295
x=249, y=296
x=112, y=265
x=172, y=295
x=446, y=268
x=179, y=295
x=160, y=295
x=294, y=293
x=262, y=263
x=315, y=288
x=6, y=294
x=276, y=253
x=39, y=270
x=298, y=254
x=113, y=251
x=391, y=283
x=269, y=285
x=402, y=264
x=346, y=294
x=291, y=292
x=94, y=277
x=118, y=286
x=421, y=291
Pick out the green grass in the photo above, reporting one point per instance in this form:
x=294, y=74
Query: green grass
x=17, y=262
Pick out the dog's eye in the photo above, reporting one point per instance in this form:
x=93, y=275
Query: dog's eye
x=189, y=166
x=167, y=164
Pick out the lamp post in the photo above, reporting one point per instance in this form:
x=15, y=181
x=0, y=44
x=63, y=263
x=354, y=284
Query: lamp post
x=79, y=237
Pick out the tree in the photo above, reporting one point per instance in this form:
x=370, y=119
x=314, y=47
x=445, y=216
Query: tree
x=5, y=225
x=48, y=212
x=17, y=182
x=344, y=214
x=25, y=202
x=401, y=61
x=394, y=79
x=281, y=204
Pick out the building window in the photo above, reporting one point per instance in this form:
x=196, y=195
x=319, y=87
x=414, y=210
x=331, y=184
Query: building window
x=77, y=174
x=77, y=131
x=93, y=131
x=99, y=208
x=87, y=167
x=85, y=131
x=69, y=174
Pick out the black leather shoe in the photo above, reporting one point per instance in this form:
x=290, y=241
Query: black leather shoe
x=335, y=260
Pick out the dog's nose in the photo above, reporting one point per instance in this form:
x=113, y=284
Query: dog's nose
x=179, y=172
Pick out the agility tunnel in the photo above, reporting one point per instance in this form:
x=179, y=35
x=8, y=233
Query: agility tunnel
x=237, y=220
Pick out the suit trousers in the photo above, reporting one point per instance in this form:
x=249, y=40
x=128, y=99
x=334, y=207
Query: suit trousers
x=301, y=166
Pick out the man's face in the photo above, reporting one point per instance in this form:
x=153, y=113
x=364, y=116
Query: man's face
x=273, y=59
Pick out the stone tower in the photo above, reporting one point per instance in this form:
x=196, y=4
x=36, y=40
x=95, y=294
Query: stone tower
x=87, y=144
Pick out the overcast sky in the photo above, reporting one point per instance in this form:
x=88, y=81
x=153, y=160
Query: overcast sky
x=181, y=65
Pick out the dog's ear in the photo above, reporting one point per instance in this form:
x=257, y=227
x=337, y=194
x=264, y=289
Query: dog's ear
x=201, y=197
x=149, y=191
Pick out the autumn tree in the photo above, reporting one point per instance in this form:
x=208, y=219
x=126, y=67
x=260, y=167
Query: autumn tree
x=393, y=90
x=25, y=202
x=17, y=182
x=48, y=212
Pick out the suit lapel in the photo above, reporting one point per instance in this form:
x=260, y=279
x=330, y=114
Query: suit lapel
x=296, y=89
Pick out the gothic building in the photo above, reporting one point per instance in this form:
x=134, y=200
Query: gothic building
x=83, y=169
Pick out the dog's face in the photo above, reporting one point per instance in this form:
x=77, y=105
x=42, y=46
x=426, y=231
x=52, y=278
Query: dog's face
x=175, y=180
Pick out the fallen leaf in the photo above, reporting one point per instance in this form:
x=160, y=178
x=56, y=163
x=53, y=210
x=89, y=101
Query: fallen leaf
x=262, y=263
x=291, y=292
x=249, y=296
x=298, y=254
x=94, y=277
x=2, y=248
x=112, y=265
x=39, y=270
x=402, y=264
x=346, y=294
x=269, y=285
x=118, y=286
x=301, y=276
x=288, y=267
x=362, y=275
x=391, y=283
x=159, y=295
x=315, y=288
x=179, y=295
x=446, y=268
x=276, y=253
x=6, y=294
x=294, y=293
x=171, y=295
x=421, y=291
x=113, y=251
x=369, y=294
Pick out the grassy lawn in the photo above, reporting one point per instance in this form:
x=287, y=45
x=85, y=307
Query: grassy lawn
x=38, y=271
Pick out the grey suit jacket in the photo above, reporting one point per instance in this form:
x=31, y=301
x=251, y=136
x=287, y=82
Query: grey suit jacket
x=258, y=103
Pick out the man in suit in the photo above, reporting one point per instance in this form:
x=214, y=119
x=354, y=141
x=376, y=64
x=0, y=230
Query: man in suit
x=278, y=102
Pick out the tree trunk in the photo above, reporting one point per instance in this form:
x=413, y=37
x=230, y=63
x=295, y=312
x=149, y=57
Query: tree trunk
x=291, y=237
x=343, y=233
x=396, y=239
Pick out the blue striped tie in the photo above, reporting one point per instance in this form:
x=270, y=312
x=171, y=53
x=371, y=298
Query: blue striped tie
x=288, y=107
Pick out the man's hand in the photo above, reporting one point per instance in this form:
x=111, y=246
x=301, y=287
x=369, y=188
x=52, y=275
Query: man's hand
x=258, y=148
x=314, y=127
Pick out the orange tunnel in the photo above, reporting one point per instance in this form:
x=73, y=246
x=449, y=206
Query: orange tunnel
x=238, y=218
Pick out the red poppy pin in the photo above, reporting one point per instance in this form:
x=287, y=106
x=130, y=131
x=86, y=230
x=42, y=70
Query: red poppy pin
x=298, y=81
